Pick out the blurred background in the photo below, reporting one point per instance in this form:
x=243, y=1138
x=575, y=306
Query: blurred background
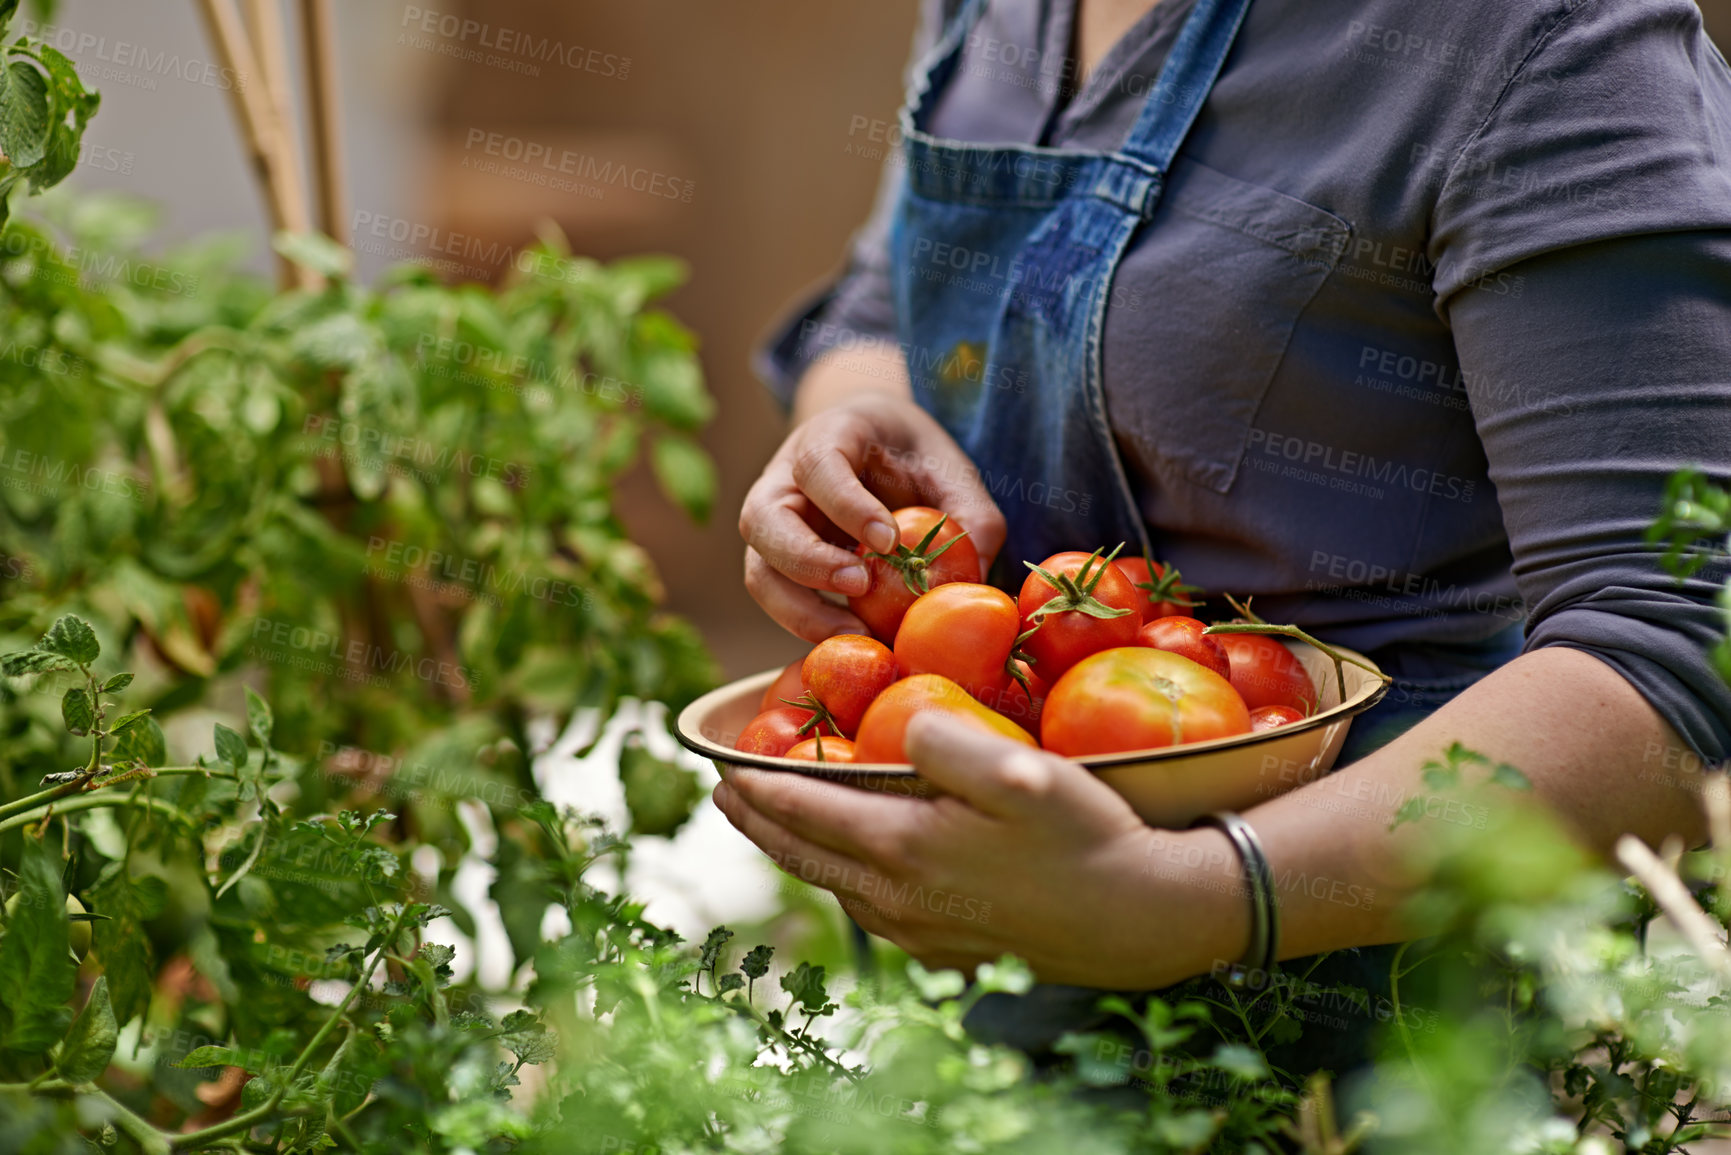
x=758, y=125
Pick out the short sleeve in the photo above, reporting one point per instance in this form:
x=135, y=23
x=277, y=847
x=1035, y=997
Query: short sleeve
x=1617, y=124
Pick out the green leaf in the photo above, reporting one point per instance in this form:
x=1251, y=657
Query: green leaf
x=71, y=637
x=806, y=984
x=317, y=252
x=258, y=717
x=230, y=747
x=143, y=742
x=116, y=683
x=78, y=711
x=23, y=114
x=685, y=473
x=34, y=662
x=128, y=720
x=128, y=960
x=212, y=1057
x=730, y=982
x=755, y=964
x=1241, y=1061
x=660, y=795
x=89, y=1046
x=712, y=944
x=37, y=970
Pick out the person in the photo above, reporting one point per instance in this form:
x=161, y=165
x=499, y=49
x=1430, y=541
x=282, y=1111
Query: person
x=1398, y=318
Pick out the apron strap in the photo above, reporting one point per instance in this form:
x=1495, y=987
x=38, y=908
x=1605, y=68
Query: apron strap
x=1185, y=81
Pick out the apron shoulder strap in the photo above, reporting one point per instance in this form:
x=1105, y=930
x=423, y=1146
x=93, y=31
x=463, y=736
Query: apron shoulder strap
x=1185, y=80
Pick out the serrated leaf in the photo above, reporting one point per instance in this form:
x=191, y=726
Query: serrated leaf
x=712, y=944
x=23, y=114
x=78, y=711
x=89, y=1045
x=258, y=717
x=37, y=971
x=71, y=637
x=128, y=960
x=730, y=982
x=685, y=473
x=806, y=984
x=34, y=662
x=660, y=794
x=212, y=1057
x=128, y=720
x=230, y=747
x=755, y=964
x=143, y=742
x=1241, y=1061
x=118, y=682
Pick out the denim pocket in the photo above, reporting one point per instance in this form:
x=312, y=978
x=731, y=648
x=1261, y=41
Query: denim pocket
x=1202, y=308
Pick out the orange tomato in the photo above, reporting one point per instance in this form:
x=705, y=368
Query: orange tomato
x=786, y=687
x=1134, y=698
x=775, y=732
x=884, y=729
x=933, y=549
x=964, y=631
x=1092, y=607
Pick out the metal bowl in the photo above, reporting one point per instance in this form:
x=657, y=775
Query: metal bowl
x=1170, y=787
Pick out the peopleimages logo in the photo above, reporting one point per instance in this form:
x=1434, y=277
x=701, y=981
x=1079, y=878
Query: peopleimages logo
x=87, y=46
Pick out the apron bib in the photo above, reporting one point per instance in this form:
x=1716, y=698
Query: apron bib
x=1002, y=263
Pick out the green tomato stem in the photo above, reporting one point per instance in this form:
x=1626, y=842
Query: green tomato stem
x=95, y=802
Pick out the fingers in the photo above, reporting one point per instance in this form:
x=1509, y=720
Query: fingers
x=863, y=826
x=992, y=773
x=796, y=609
x=771, y=524
x=828, y=473
x=798, y=856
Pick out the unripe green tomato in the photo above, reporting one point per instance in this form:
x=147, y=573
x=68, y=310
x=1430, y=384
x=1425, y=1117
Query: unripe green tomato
x=80, y=930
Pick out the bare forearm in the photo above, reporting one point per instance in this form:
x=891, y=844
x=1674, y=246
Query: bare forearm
x=1594, y=749
x=843, y=374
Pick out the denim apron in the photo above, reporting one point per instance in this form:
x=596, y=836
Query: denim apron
x=1002, y=260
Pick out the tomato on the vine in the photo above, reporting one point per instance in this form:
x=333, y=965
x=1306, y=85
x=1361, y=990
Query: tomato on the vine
x=884, y=729
x=1163, y=593
x=965, y=631
x=774, y=732
x=934, y=549
x=844, y=673
x=822, y=749
x=1077, y=604
x=1266, y=673
x=1135, y=698
x=1187, y=638
x=1272, y=717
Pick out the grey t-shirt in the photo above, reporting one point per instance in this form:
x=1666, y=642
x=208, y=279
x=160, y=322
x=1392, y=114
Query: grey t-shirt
x=1438, y=298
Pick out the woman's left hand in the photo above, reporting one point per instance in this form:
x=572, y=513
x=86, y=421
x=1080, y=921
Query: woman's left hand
x=1021, y=853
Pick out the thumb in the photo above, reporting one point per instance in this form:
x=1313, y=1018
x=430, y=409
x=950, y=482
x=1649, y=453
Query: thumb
x=994, y=774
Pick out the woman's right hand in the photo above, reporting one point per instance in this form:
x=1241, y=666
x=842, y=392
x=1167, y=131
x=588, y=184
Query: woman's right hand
x=834, y=482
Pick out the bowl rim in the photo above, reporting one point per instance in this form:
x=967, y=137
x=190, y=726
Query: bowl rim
x=686, y=731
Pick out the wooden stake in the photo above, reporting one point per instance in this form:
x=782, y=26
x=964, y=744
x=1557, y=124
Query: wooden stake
x=1696, y=926
x=258, y=125
x=271, y=56
x=324, y=128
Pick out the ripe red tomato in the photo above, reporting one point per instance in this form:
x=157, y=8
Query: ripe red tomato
x=934, y=549
x=786, y=687
x=884, y=729
x=1271, y=717
x=845, y=673
x=1082, y=604
x=1135, y=698
x=964, y=631
x=822, y=750
x=1266, y=673
x=1163, y=592
x=1186, y=638
x=1020, y=704
x=775, y=732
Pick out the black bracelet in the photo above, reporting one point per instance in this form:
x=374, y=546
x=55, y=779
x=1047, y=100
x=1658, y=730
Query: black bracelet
x=1259, y=961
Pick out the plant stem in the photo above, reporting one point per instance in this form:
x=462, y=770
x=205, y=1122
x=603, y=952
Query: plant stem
x=148, y=1138
x=42, y=797
x=95, y=802
x=246, y=1121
